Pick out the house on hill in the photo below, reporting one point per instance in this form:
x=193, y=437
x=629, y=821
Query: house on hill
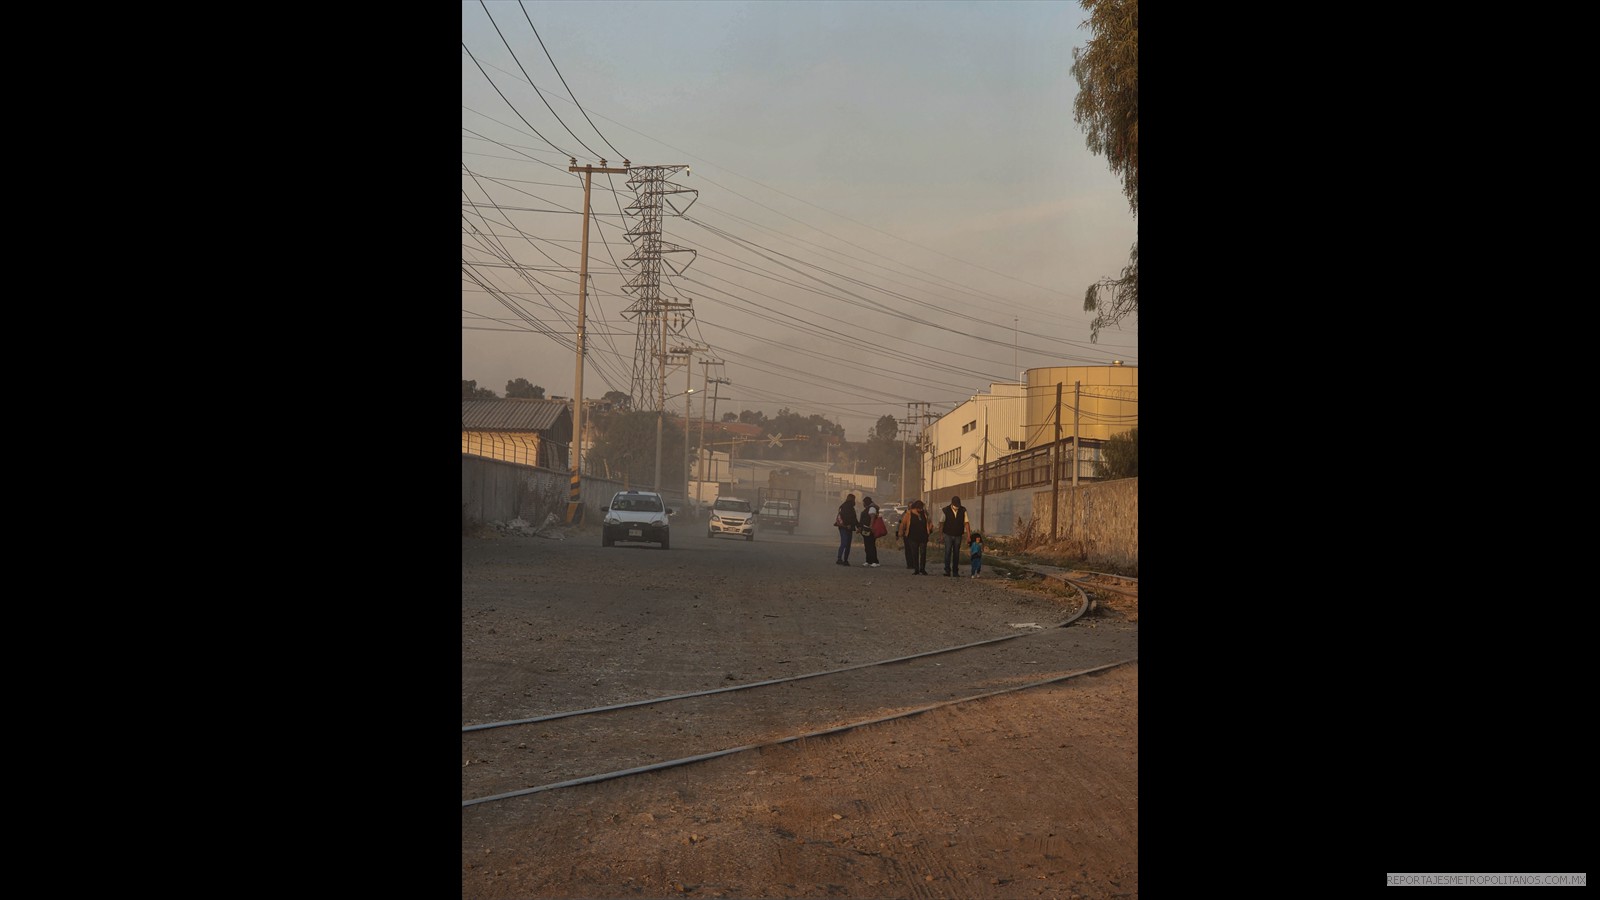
x=530, y=432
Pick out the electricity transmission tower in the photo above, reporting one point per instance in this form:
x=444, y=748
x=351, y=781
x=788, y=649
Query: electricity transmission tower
x=655, y=316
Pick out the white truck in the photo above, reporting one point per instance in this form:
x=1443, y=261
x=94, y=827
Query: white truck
x=780, y=509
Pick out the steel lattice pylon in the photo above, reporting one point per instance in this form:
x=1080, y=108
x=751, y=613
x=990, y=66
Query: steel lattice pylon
x=652, y=188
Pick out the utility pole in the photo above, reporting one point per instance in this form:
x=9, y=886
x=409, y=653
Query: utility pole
x=661, y=404
x=718, y=382
x=924, y=446
x=983, y=495
x=1077, y=397
x=904, y=433
x=1055, y=469
x=573, y=502
x=688, y=397
x=1077, y=402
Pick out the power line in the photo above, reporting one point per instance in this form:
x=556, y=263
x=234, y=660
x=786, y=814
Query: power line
x=565, y=85
x=529, y=77
x=509, y=103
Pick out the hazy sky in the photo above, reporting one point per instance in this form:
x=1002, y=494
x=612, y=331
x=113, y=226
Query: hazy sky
x=894, y=204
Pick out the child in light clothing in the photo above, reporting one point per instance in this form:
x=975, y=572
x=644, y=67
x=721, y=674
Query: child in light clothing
x=977, y=554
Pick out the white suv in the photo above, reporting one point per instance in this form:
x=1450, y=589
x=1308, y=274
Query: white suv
x=637, y=516
x=731, y=515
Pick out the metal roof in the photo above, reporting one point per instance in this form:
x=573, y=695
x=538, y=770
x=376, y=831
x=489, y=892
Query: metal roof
x=511, y=415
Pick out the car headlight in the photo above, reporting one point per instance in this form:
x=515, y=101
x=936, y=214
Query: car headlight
x=660, y=523
x=613, y=520
x=715, y=518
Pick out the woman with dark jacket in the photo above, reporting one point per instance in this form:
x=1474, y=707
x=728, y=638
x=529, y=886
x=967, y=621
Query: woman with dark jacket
x=848, y=523
x=915, y=528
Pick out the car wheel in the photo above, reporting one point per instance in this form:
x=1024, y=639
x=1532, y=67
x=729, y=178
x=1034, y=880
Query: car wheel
x=750, y=537
x=606, y=541
x=709, y=532
x=665, y=543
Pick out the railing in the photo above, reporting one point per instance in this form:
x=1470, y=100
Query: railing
x=1031, y=467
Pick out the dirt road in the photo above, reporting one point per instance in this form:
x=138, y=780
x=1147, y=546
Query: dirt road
x=1027, y=794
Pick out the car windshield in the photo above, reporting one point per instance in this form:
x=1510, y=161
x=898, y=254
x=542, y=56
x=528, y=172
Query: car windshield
x=636, y=504
x=733, y=505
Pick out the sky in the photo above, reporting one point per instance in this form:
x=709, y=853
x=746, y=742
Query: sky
x=894, y=203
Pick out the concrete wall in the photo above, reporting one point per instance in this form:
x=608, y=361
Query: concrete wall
x=1102, y=518
x=997, y=513
x=494, y=491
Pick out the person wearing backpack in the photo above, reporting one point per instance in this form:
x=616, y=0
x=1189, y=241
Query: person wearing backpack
x=870, y=524
x=957, y=532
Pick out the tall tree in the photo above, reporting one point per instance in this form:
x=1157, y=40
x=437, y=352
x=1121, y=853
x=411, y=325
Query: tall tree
x=618, y=400
x=1107, y=70
x=627, y=450
x=520, y=388
x=1119, y=458
x=471, y=391
x=885, y=454
x=887, y=429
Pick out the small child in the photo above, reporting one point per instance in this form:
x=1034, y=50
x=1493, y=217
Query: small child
x=977, y=554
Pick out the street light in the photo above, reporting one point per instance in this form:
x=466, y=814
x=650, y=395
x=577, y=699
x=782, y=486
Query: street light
x=659, y=412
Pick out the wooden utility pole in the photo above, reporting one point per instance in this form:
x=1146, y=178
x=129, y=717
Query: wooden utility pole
x=574, y=505
x=1077, y=402
x=719, y=382
x=688, y=398
x=700, y=480
x=1055, y=470
x=1077, y=396
x=902, y=498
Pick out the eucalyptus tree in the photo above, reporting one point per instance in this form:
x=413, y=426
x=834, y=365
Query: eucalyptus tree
x=1107, y=107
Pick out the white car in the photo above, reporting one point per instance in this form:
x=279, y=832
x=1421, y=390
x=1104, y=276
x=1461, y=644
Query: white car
x=637, y=516
x=731, y=515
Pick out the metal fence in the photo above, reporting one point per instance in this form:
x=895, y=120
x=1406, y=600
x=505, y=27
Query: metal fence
x=1030, y=467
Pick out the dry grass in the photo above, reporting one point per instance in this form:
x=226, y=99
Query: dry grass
x=1029, y=543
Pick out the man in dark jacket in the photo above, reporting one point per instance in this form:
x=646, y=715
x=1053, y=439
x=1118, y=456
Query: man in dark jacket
x=957, y=533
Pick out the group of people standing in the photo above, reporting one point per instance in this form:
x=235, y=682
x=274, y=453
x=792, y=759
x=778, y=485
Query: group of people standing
x=915, y=530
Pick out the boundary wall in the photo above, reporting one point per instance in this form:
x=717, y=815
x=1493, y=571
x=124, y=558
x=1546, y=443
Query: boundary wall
x=496, y=491
x=1103, y=518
